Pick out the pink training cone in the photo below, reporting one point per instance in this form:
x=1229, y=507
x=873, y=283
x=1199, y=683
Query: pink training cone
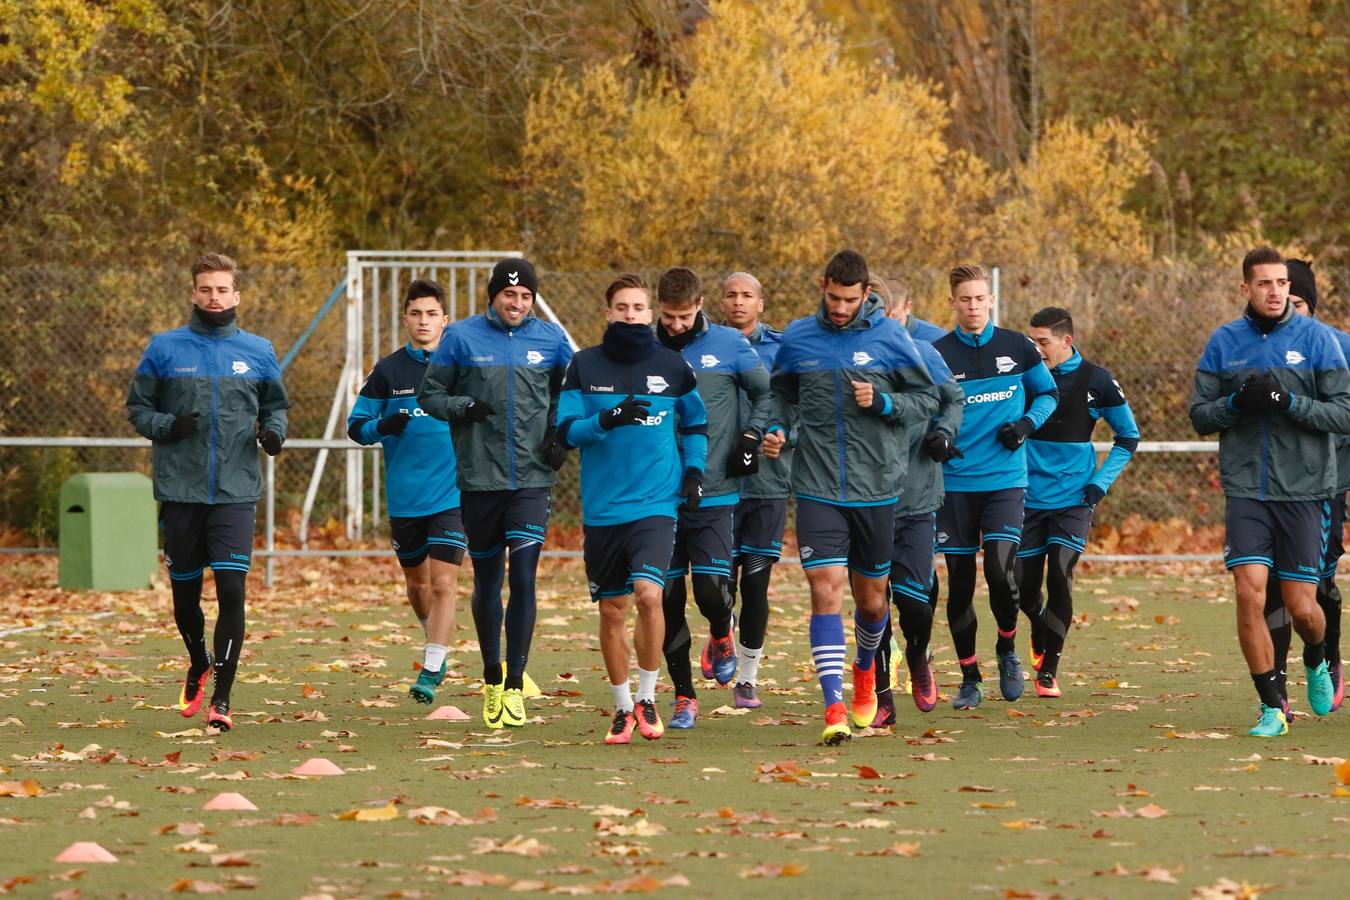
x=229, y=801
x=317, y=766
x=85, y=852
x=450, y=714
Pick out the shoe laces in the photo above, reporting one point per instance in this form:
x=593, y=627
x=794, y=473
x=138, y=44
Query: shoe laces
x=620, y=721
x=683, y=703
x=648, y=711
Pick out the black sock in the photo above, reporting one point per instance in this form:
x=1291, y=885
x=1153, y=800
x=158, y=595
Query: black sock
x=520, y=612
x=1268, y=689
x=1329, y=598
x=882, y=666
x=1314, y=655
x=753, y=621
x=1281, y=633
x=678, y=641
x=486, y=606
x=971, y=671
x=229, y=636
x=916, y=624
x=712, y=595
x=187, y=614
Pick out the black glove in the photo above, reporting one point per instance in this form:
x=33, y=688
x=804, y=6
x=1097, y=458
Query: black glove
x=1092, y=495
x=744, y=457
x=939, y=447
x=553, y=450
x=1277, y=398
x=628, y=412
x=691, y=489
x=477, y=411
x=270, y=440
x=395, y=422
x=1013, y=434
x=1254, y=395
x=184, y=426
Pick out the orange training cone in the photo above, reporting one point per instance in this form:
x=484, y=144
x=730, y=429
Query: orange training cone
x=450, y=714
x=229, y=801
x=85, y=852
x=317, y=766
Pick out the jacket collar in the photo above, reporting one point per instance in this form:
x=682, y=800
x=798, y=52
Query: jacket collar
x=760, y=332
x=1281, y=322
x=684, y=339
x=199, y=326
x=496, y=321
x=1070, y=365
x=869, y=313
x=979, y=339
x=419, y=355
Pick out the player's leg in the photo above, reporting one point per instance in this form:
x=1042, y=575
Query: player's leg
x=1068, y=534
x=184, y=530
x=822, y=537
x=1001, y=524
x=1329, y=597
x=607, y=573
x=1300, y=546
x=958, y=540
x=1249, y=553
x=678, y=640
x=885, y=714
x=871, y=531
x=650, y=543
x=911, y=588
x=446, y=544
x=759, y=543
x=525, y=519
x=482, y=511
x=1030, y=572
x=1281, y=635
x=708, y=546
x=408, y=537
x=229, y=548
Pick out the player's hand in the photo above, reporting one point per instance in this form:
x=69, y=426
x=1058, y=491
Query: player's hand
x=1013, y=434
x=184, y=426
x=744, y=460
x=691, y=488
x=863, y=393
x=630, y=411
x=1277, y=398
x=773, y=444
x=552, y=449
x=939, y=447
x=395, y=422
x=1092, y=495
x=477, y=411
x=270, y=440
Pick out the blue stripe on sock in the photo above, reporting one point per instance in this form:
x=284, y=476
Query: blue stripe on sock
x=827, y=650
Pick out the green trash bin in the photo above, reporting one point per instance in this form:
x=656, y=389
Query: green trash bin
x=109, y=533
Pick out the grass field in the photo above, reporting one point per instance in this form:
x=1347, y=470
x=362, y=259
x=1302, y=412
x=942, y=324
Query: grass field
x=1139, y=782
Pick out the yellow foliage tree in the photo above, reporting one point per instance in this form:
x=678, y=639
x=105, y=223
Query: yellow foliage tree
x=779, y=150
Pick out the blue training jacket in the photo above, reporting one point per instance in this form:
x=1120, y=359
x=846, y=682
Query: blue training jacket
x=923, y=330
x=419, y=464
x=633, y=471
x=1060, y=460
x=773, y=481
x=1004, y=379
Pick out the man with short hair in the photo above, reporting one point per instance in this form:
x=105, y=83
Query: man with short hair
x=420, y=487
x=633, y=409
x=761, y=513
x=726, y=368
x=207, y=395
x=854, y=379
x=495, y=378
x=1275, y=386
x=1065, y=484
x=1009, y=394
x=1303, y=298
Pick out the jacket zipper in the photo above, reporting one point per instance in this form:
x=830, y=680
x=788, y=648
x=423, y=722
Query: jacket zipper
x=839, y=427
x=510, y=405
x=215, y=410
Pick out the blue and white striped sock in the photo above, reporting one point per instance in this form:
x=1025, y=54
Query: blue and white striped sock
x=867, y=635
x=827, y=650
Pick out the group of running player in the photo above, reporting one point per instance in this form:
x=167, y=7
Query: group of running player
x=897, y=438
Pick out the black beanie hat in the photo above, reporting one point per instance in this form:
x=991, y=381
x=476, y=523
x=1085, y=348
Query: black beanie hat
x=1302, y=282
x=510, y=273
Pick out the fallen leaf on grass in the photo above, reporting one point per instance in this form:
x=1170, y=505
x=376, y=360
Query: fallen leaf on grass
x=310, y=692
x=377, y=814
x=184, y=829
x=195, y=846
x=723, y=711
x=1147, y=811
x=189, y=886
x=901, y=848
x=1343, y=772
x=769, y=870
x=867, y=772
x=1226, y=888
x=976, y=789
x=1159, y=874
x=235, y=756
x=19, y=789
x=239, y=775
x=230, y=860
x=516, y=846
x=1199, y=736
x=640, y=828
x=472, y=878
x=314, y=715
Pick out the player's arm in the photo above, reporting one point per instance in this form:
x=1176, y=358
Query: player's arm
x=753, y=378
x=557, y=375
x=363, y=425
x=913, y=395
x=143, y=400
x=691, y=419
x=1041, y=389
x=1212, y=408
x=273, y=400
x=1116, y=412
x=1330, y=409
x=437, y=395
x=784, y=385
x=951, y=407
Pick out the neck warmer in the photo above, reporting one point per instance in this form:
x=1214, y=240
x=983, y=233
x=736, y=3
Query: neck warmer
x=627, y=344
x=214, y=319
x=1265, y=324
x=678, y=342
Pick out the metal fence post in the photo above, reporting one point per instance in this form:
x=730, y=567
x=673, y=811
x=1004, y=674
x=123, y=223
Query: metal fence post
x=271, y=526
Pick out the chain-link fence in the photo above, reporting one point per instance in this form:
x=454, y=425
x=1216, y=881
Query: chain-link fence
x=74, y=337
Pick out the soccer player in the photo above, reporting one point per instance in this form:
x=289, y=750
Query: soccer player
x=1065, y=484
x=207, y=395
x=1009, y=394
x=854, y=380
x=1303, y=298
x=420, y=488
x=761, y=513
x=495, y=378
x=913, y=581
x=725, y=368
x=633, y=409
x=1274, y=385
